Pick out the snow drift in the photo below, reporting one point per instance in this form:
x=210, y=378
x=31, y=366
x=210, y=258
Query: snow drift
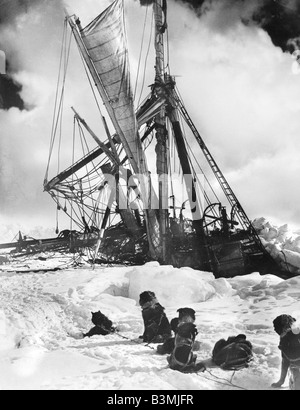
x=282, y=243
x=42, y=316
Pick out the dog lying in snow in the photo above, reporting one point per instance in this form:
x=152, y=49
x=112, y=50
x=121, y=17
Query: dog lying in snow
x=156, y=324
x=290, y=350
x=103, y=326
x=232, y=354
x=186, y=315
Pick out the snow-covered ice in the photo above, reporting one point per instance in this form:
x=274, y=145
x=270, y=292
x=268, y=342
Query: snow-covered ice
x=43, y=313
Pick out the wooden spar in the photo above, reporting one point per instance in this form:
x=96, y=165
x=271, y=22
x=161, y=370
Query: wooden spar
x=111, y=155
x=126, y=214
x=186, y=168
x=161, y=132
x=74, y=168
x=100, y=88
x=25, y=243
x=86, y=160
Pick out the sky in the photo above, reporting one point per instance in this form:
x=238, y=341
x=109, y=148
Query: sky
x=234, y=67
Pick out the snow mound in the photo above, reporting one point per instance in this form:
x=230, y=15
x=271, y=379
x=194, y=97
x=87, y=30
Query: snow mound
x=43, y=316
x=282, y=243
x=8, y=334
x=172, y=285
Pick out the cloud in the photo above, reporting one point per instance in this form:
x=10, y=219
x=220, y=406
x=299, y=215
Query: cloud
x=30, y=34
x=243, y=97
x=9, y=93
x=146, y=2
x=238, y=88
x=279, y=18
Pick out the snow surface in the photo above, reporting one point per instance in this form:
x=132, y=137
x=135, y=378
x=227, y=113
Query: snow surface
x=282, y=243
x=42, y=315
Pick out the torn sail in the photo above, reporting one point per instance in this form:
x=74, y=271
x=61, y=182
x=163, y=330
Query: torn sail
x=106, y=44
x=105, y=41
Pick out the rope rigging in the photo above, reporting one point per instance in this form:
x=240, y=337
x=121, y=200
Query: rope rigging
x=80, y=188
x=146, y=60
x=83, y=191
x=84, y=186
x=58, y=106
x=140, y=56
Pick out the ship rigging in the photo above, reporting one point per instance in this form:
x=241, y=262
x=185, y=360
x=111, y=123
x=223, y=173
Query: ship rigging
x=172, y=214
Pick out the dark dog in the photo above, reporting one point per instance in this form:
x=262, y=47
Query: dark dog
x=183, y=358
x=186, y=315
x=290, y=351
x=235, y=353
x=156, y=324
x=103, y=326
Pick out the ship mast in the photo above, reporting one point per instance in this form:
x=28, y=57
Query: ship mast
x=159, y=8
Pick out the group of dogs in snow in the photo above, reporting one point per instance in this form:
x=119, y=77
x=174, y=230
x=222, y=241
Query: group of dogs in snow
x=177, y=339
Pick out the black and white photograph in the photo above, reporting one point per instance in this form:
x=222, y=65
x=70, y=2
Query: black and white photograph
x=149, y=197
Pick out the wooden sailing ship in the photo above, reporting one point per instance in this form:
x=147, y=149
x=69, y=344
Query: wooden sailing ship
x=133, y=214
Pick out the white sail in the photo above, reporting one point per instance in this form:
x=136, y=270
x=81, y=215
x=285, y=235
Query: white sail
x=106, y=44
x=105, y=41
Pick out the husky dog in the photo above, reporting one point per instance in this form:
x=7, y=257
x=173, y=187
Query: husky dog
x=103, y=326
x=290, y=351
x=235, y=353
x=186, y=315
x=182, y=357
x=157, y=327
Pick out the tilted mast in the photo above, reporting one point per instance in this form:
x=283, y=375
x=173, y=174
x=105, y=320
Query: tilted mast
x=103, y=46
x=159, y=7
x=164, y=85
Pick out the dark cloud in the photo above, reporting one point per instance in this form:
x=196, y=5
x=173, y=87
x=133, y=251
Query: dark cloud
x=9, y=94
x=279, y=18
x=146, y=2
x=11, y=9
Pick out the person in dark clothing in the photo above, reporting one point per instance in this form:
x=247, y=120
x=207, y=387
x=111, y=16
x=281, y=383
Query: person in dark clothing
x=157, y=327
x=290, y=351
x=103, y=325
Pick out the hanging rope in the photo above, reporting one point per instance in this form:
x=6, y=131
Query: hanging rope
x=58, y=106
x=82, y=139
x=88, y=75
x=192, y=154
x=146, y=60
x=140, y=55
x=56, y=100
x=168, y=53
